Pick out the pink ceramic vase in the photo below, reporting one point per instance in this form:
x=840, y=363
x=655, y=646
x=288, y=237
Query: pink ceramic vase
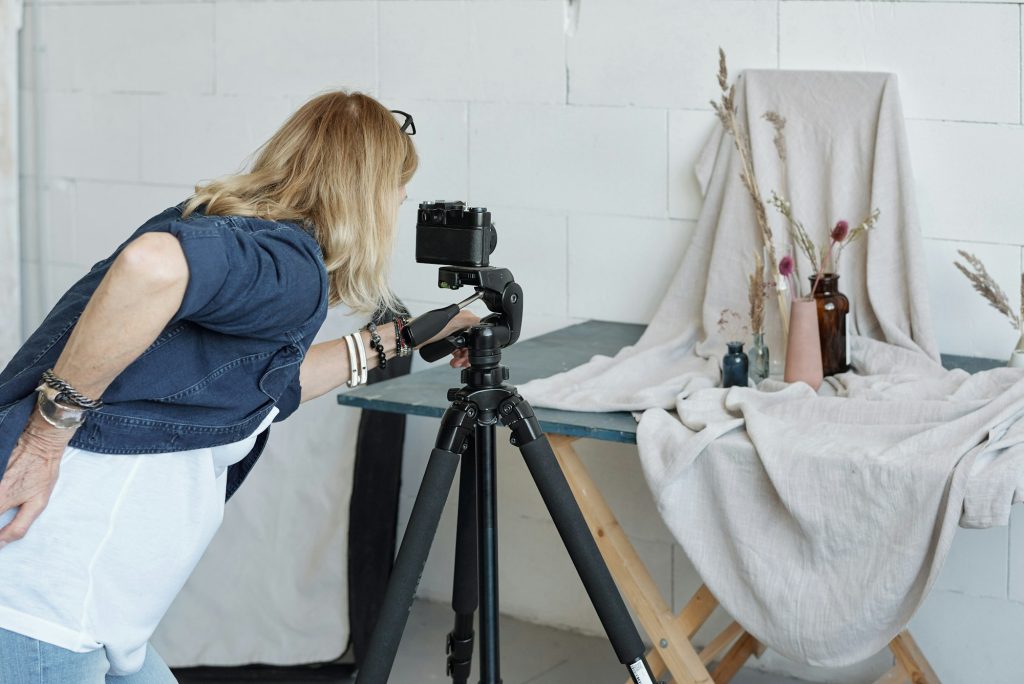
x=803, y=355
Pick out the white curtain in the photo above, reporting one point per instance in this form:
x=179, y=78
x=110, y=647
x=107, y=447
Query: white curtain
x=10, y=271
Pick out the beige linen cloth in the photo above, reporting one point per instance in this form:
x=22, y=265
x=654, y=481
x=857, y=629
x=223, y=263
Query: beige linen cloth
x=819, y=520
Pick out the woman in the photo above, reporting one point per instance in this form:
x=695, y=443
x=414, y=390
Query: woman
x=197, y=334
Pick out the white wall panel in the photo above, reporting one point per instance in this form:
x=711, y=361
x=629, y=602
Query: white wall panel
x=595, y=159
x=424, y=49
x=273, y=48
x=968, y=180
x=664, y=53
x=185, y=139
x=970, y=639
x=94, y=136
x=946, y=70
x=620, y=267
x=517, y=51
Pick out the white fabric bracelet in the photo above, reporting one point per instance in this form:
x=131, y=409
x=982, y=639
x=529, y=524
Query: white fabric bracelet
x=361, y=349
x=353, y=380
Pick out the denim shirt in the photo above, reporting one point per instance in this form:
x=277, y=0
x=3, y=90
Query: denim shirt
x=256, y=296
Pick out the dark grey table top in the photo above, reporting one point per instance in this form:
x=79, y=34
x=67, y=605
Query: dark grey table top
x=426, y=393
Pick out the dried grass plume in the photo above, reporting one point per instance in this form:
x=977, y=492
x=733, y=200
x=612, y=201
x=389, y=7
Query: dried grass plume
x=725, y=109
x=989, y=288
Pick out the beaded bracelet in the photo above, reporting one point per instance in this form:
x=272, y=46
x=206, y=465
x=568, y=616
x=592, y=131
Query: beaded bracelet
x=403, y=348
x=376, y=344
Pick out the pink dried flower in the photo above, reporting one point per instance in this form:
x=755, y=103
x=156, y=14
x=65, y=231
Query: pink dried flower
x=840, y=232
x=786, y=266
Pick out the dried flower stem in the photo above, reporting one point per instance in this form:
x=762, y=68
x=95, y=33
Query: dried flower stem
x=756, y=293
x=988, y=288
x=726, y=111
x=866, y=226
x=796, y=229
x=779, y=124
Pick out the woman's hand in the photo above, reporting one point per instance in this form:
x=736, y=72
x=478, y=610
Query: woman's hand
x=464, y=319
x=31, y=475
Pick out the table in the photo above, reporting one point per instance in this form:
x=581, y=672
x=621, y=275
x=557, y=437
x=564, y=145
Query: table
x=425, y=394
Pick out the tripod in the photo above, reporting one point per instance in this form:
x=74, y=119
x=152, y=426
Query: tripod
x=467, y=433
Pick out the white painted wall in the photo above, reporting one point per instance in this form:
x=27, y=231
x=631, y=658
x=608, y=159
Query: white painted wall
x=582, y=148
x=10, y=266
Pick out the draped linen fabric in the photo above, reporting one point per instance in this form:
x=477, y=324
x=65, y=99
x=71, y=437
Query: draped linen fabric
x=818, y=519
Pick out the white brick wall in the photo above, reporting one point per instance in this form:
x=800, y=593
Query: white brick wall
x=663, y=53
x=583, y=147
x=955, y=61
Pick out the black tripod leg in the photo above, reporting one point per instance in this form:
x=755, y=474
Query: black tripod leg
x=540, y=459
x=487, y=540
x=456, y=426
x=464, y=589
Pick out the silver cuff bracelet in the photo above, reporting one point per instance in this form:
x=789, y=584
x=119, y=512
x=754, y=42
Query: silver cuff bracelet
x=56, y=414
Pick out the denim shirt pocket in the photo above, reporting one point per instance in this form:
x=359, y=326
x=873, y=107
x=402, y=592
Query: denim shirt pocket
x=282, y=370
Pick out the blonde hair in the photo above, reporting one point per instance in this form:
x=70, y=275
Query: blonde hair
x=336, y=166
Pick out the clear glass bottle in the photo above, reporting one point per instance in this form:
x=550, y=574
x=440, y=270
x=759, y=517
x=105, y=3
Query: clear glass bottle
x=760, y=361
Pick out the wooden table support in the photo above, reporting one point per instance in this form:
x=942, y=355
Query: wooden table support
x=673, y=657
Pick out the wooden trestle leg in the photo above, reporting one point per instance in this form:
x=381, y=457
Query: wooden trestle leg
x=673, y=657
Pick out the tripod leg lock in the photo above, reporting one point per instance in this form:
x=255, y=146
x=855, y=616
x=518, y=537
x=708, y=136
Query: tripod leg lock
x=460, y=657
x=516, y=414
x=457, y=426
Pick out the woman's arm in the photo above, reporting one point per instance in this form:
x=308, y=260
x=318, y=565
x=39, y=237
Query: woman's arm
x=326, y=364
x=134, y=302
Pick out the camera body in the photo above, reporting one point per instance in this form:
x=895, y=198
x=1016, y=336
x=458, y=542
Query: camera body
x=452, y=234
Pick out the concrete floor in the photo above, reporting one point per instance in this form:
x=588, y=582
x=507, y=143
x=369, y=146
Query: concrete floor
x=530, y=654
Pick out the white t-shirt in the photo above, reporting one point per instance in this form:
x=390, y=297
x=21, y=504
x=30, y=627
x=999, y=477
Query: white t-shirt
x=103, y=562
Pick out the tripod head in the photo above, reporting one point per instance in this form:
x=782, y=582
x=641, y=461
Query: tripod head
x=496, y=287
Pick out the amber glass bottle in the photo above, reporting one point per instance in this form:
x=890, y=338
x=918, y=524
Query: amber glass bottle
x=832, y=309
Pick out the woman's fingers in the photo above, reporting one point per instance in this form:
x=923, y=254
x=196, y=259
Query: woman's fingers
x=31, y=474
x=460, y=358
x=27, y=514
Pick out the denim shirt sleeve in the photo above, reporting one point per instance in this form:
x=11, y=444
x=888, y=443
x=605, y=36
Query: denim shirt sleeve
x=248, y=283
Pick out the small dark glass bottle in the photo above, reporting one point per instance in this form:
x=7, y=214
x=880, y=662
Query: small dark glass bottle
x=735, y=366
x=832, y=309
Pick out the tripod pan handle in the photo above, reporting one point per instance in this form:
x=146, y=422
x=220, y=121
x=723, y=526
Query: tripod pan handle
x=437, y=350
x=428, y=324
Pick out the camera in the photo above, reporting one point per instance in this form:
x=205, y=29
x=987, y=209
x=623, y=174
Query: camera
x=450, y=233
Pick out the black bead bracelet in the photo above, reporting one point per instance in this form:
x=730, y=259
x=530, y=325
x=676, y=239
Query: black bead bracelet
x=376, y=344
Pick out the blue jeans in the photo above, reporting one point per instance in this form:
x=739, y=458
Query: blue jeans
x=24, y=660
